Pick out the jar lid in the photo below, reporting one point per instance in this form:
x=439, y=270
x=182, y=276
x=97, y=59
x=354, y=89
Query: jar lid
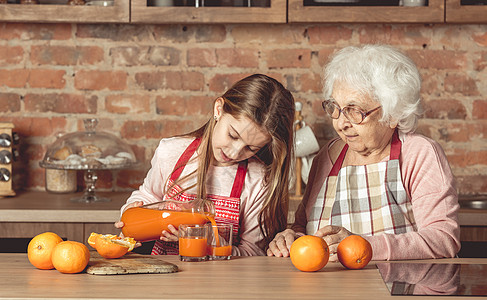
x=90, y=149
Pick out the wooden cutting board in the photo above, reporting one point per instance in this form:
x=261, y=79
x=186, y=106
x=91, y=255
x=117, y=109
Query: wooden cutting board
x=131, y=263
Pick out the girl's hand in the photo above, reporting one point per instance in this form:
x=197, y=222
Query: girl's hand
x=120, y=224
x=333, y=235
x=281, y=244
x=171, y=235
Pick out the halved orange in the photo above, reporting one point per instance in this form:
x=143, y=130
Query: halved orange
x=111, y=246
x=94, y=235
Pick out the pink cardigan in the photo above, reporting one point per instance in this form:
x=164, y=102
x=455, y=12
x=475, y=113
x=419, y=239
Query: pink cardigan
x=430, y=184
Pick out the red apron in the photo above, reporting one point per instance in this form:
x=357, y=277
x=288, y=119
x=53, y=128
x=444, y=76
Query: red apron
x=227, y=209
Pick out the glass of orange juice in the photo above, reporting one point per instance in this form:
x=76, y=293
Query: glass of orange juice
x=193, y=240
x=220, y=241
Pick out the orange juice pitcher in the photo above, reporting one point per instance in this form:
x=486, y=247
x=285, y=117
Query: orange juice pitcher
x=146, y=223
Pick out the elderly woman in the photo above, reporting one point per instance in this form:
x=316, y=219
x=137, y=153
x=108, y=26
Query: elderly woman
x=379, y=179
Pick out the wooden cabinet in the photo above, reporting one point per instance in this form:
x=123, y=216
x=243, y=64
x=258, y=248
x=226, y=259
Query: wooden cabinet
x=433, y=13
x=458, y=13
x=141, y=13
x=278, y=11
x=58, y=13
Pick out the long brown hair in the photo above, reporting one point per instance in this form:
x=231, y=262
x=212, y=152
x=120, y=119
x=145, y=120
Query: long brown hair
x=266, y=102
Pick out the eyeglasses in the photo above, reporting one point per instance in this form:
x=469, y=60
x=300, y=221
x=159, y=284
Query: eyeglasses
x=354, y=115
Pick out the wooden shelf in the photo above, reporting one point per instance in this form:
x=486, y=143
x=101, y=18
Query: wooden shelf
x=141, y=13
x=457, y=13
x=433, y=13
x=53, y=13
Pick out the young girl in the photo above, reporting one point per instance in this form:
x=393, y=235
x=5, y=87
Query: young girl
x=240, y=160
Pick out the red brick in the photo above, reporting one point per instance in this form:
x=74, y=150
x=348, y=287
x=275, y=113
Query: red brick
x=328, y=34
x=34, y=152
x=288, y=58
x=472, y=184
x=202, y=57
x=481, y=63
x=184, y=33
x=127, y=104
x=439, y=59
x=479, y=110
x=14, y=78
x=50, y=79
x=39, y=127
x=116, y=33
x=156, y=129
x=60, y=103
x=34, y=178
x=192, y=81
x=184, y=106
x=130, y=178
x=445, y=109
x=461, y=83
x=100, y=80
x=480, y=38
x=244, y=58
x=461, y=158
x=154, y=56
x=66, y=55
x=9, y=102
x=220, y=83
x=324, y=55
x=263, y=34
x=431, y=84
x=11, y=55
x=393, y=34
x=310, y=82
x=32, y=31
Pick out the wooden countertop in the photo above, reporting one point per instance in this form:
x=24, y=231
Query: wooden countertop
x=239, y=278
x=47, y=207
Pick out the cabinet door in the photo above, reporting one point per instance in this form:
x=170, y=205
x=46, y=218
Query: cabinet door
x=70, y=231
x=301, y=11
x=53, y=13
x=271, y=11
x=458, y=11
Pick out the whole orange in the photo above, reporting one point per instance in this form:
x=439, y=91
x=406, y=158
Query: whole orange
x=309, y=253
x=70, y=257
x=354, y=252
x=40, y=249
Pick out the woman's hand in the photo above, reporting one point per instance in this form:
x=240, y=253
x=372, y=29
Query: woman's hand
x=120, y=224
x=281, y=244
x=333, y=235
x=171, y=235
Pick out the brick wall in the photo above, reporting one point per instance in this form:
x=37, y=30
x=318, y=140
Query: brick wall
x=145, y=82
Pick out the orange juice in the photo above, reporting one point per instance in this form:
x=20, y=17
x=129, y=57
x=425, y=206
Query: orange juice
x=145, y=224
x=215, y=229
x=220, y=251
x=193, y=246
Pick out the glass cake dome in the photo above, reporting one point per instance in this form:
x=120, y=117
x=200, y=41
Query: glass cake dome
x=89, y=150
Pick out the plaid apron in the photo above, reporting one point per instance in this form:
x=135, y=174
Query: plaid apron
x=227, y=209
x=366, y=200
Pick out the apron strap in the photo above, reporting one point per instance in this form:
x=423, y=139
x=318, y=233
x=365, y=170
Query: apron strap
x=395, y=152
x=395, y=146
x=238, y=183
x=184, y=158
x=339, y=162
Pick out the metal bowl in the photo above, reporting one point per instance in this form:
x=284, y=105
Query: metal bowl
x=473, y=202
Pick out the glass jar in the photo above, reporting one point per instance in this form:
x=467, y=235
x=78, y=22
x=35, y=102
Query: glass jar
x=61, y=181
x=146, y=223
